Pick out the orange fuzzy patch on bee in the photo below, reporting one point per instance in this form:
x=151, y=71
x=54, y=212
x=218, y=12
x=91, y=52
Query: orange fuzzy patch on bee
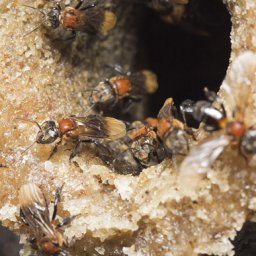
x=66, y=125
x=122, y=85
x=137, y=133
x=70, y=18
x=163, y=126
x=152, y=122
x=47, y=246
x=236, y=129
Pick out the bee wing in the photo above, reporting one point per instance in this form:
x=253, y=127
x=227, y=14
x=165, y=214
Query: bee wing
x=201, y=157
x=35, y=210
x=237, y=88
x=99, y=127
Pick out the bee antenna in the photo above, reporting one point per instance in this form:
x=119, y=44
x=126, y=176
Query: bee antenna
x=23, y=152
x=40, y=24
x=34, y=29
x=30, y=121
x=34, y=8
x=90, y=90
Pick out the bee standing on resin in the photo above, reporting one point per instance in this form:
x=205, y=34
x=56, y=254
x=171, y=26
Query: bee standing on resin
x=171, y=131
x=145, y=146
x=83, y=17
x=79, y=130
x=139, y=149
x=225, y=130
x=34, y=212
x=123, y=88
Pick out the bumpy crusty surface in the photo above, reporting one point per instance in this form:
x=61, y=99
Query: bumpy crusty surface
x=116, y=215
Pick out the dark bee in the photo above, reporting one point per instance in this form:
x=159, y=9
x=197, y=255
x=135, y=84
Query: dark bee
x=80, y=130
x=145, y=146
x=171, y=131
x=213, y=117
x=139, y=149
x=125, y=88
x=86, y=18
x=34, y=212
x=118, y=156
x=224, y=129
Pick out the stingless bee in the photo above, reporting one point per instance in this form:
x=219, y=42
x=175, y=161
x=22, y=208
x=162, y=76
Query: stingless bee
x=79, y=130
x=237, y=127
x=124, y=87
x=145, y=146
x=83, y=17
x=139, y=149
x=171, y=131
x=118, y=156
x=34, y=212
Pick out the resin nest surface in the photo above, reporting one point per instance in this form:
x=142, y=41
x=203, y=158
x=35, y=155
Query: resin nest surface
x=154, y=213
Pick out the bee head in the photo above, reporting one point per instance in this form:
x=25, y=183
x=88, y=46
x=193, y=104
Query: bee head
x=53, y=16
x=48, y=133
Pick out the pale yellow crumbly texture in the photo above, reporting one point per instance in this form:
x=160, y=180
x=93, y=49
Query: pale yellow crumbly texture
x=115, y=214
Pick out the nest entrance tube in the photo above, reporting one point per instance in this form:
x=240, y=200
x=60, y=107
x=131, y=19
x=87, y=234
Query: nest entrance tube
x=187, y=56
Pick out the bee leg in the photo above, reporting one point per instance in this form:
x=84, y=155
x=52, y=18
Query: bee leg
x=32, y=241
x=243, y=155
x=191, y=132
x=127, y=104
x=66, y=221
x=77, y=148
x=86, y=7
x=54, y=150
x=22, y=217
x=71, y=37
x=56, y=201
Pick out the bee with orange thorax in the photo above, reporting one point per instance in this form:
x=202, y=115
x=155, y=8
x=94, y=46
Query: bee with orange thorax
x=88, y=18
x=123, y=88
x=145, y=146
x=171, y=131
x=34, y=212
x=224, y=130
x=139, y=149
x=80, y=130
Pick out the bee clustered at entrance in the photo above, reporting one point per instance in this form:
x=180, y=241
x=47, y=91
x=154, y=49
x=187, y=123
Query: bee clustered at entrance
x=148, y=214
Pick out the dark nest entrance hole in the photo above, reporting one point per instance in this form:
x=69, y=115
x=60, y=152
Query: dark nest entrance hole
x=186, y=57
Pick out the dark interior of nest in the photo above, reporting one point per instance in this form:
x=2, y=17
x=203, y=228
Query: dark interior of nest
x=187, y=56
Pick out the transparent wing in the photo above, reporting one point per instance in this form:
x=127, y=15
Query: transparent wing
x=201, y=157
x=237, y=89
x=98, y=127
x=35, y=210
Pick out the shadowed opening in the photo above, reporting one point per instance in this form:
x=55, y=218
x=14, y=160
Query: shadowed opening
x=186, y=57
